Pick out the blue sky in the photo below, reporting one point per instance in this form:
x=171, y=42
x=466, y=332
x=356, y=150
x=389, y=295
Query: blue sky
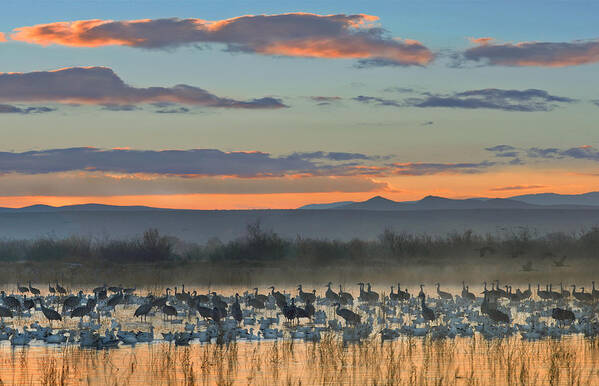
x=400, y=129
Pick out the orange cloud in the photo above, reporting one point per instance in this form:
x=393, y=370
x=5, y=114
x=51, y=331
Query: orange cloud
x=2, y=37
x=290, y=34
x=101, y=86
x=482, y=41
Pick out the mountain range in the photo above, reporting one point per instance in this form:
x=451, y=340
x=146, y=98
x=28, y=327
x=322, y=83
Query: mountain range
x=529, y=201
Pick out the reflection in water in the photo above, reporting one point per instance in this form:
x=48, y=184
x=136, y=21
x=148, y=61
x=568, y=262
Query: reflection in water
x=571, y=360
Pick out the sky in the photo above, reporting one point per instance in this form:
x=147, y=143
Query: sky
x=263, y=104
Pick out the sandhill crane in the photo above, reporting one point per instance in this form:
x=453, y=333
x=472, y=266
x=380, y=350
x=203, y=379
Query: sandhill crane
x=303, y=312
x=500, y=292
x=421, y=293
x=554, y=294
x=81, y=311
x=373, y=295
x=60, y=289
x=260, y=297
x=331, y=295
x=306, y=296
x=143, y=310
x=581, y=296
x=28, y=303
x=169, y=310
x=498, y=316
x=562, y=315
x=345, y=297
x=219, y=303
x=403, y=295
x=350, y=317
x=467, y=295
x=22, y=289
x=255, y=303
x=5, y=313
x=205, y=312
x=49, y=313
x=443, y=295
x=310, y=310
x=215, y=315
x=565, y=293
x=527, y=292
x=72, y=301
x=116, y=289
x=542, y=294
x=290, y=311
x=393, y=296
x=10, y=301
x=33, y=290
x=490, y=309
x=427, y=313
x=363, y=294
x=280, y=299
x=51, y=289
x=114, y=300
x=206, y=299
x=514, y=297
x=236, y=310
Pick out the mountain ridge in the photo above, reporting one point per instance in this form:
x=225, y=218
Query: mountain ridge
x=588, y=200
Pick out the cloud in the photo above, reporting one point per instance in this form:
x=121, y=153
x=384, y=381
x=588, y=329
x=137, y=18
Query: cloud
x=325, y=100
x=595, y=102
x=101, y=86
x=423, y=168
x=585, y=152
x=173, y=110
x=376, y=101
x=333, y=156
x=542, y=54
x=405, y=90
x=500, y=148
x=427, y=123
x=204, y=163
x=113, y=107
x=536, y=152
x=291, y=34
x=529, y=100
x=2, y=37
x=516, y=187
x=96, y=184
x=190, y=163
x=507, y=154
x=10, y=109
x=200, y=162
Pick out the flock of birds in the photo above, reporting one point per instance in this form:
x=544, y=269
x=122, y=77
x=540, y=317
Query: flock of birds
x=496, y=312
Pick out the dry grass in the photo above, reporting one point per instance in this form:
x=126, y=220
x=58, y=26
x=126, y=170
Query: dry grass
x=409, y=361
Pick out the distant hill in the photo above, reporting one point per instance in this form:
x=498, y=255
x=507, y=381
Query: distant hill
x=77, y=208
x=538, y=201
x=326, y=206
x=591, y=198
x=436, y=203
x=375, y=203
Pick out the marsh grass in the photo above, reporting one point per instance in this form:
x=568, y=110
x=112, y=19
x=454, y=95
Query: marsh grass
x=262, y=255
x=406, y=361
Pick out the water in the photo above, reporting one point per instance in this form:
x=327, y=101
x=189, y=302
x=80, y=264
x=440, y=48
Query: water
x=573, y=359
